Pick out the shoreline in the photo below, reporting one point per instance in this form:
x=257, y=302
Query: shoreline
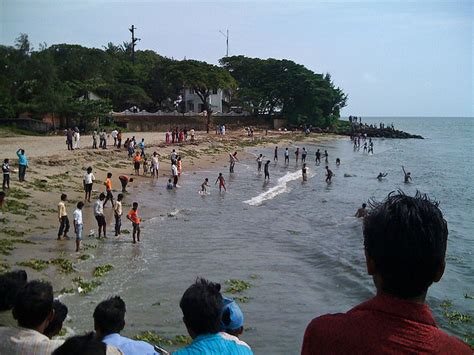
x=29, y=223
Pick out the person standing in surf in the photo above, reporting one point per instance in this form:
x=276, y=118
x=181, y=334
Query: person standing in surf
x=329, y=174
x=136, y=163
x=304, y=172
x=204, y=186
x=407, y=175
x=174, y=172
x=318, y=157
x=232, y=160
x=221, y=181
x=303, y=155
x=287, y=156
x=132, y=216
x=326, y=156
x=275, y=157
x=265, y=170
x=297, y=154
x=259, y=163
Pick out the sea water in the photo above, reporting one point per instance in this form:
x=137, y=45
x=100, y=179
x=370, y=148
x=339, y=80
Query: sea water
x=296, y=243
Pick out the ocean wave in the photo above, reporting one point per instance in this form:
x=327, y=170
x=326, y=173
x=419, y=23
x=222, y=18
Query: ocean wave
x=279, y=188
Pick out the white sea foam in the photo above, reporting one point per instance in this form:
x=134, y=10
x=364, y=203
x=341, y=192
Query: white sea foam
x=279, y=188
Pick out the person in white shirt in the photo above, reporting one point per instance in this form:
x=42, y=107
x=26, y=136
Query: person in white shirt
x=192, y=134
x=155, y=165
x=33, y=310
x=99, y=214
x=77, y=139
x=88, y=181
x=114, y=135
x=78, y=224
x=174, y=172
x=118, y=214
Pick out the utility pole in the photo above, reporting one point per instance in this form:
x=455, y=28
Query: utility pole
x=226, y=35
x=134, y=41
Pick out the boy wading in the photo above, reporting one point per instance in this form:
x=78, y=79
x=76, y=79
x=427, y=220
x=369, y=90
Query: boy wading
x=133, y=217
x=118, y=214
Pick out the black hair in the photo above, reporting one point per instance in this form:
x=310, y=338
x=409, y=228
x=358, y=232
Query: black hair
x=80, y=204
x=56, y=324
x=119, y=197
x=89, y=169
x=364, y=205
x=406, y=238
x=33, y=304
x=5, y=160
x=101, y=196
x=10, y=284
x=109, y=316
x=109, y=175
x=82, y=344
x=135, y=204
x=63, y=197
x=202, y=306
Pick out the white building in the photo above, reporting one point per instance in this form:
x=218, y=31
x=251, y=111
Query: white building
x=194, y=103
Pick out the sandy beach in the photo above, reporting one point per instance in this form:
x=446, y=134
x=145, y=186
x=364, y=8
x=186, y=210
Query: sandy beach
x=29, y=223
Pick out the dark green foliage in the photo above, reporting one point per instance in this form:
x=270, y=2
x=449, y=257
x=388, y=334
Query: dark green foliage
x=284, y=88
x=59, y=80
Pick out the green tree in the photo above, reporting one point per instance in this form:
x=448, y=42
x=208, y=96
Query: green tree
x=202, y=78
x=282, y=87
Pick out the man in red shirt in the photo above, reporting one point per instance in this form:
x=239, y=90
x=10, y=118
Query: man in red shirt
x=405, y=246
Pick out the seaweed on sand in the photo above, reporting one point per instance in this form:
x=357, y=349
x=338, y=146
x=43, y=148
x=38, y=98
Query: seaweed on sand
x=35, y=264
x=156, y=339
x=64, y=265
x=101, y=270
x=84, y=287
x=17, y=193
x=237, y=286
x=16, y=207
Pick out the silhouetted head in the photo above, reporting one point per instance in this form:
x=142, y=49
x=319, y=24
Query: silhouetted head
x=202, y=306
x=82, y=344
x=405, y=242
x=34, y=304
x=109, y=316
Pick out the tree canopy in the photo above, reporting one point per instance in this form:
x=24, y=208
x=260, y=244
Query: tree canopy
x=58, y=79
x=282, y=87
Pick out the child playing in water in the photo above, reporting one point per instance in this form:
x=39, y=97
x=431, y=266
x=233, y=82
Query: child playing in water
x=329, y=174
x=132, y=216
x=145, y=166
x=204, y=186
x=136, y=163
x=304, y=172
x=180, y=166
x=221, y=181
x=265, y=170
x=407, y=175
x=169, y=185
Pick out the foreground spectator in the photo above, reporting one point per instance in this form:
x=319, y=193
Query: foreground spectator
x=405, y=245
x=202, y=305
x=85, y=345
x=60, y=313
x=33, y=311
x=232, y=321
x=109, y=321
x=10, y=284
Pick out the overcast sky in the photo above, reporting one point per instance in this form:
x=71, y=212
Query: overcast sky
x=393, y=58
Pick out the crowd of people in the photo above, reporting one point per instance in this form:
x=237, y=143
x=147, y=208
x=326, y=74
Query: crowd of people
x=31, y=320
x=405, y=241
